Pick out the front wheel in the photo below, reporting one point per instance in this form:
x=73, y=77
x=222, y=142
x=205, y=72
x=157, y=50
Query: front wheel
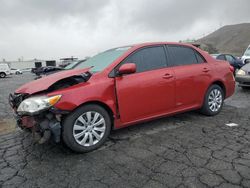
x=213, y=101
x=87, y=128
x=2, y=75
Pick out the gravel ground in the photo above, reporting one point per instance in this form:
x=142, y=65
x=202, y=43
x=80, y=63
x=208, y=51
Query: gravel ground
x=187, y=150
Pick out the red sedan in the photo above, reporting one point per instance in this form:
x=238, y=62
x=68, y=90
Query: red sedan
x=121, y=87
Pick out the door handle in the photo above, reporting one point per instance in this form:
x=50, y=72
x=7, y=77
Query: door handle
x=205, y=70
x=168, y=76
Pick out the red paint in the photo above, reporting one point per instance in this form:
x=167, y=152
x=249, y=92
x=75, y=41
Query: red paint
x=128, y=68
x=139, y=97
x=38, y=85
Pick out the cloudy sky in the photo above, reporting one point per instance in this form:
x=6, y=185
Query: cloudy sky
x=51, y=29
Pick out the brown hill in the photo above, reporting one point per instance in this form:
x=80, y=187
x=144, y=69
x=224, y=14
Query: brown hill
x=232, y=39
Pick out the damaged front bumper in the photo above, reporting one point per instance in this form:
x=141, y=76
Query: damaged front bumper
x=44, y=126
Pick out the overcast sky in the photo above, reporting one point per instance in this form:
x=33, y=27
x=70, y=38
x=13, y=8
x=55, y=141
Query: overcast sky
x=51, y=29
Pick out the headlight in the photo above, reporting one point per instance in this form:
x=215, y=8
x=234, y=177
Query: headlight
x=241, y=72
x=36, y=104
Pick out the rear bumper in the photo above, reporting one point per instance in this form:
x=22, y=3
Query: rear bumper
x=243, y=80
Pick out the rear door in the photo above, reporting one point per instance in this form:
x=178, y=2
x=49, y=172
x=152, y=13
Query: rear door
x=192, y=75
x=151, y=90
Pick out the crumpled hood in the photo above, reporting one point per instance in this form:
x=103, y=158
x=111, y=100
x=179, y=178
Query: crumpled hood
x=44, y=83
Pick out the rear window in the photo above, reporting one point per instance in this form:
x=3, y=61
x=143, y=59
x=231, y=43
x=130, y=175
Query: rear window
x=182, y=55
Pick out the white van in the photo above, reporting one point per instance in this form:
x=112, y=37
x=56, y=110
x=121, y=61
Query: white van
x=4, y=70
x=246, y=57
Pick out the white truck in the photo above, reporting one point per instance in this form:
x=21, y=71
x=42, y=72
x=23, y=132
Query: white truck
x=4, y=70
x=246, y=57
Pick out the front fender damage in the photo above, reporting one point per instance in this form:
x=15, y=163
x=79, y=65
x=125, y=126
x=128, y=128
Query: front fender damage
x=47, y=124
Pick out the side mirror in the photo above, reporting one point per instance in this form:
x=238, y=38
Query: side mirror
x=127, y=68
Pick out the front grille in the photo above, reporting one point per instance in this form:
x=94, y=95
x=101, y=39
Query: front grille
x=16, y=99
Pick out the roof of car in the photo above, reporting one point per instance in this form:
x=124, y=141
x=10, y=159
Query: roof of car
x=159, y=43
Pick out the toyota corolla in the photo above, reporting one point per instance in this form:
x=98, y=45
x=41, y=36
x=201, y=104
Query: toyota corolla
x=121, y=87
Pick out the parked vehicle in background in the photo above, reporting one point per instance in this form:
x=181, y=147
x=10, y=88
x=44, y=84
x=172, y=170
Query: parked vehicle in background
x=4, y=70
x=46, y=70
x=26, y=70
x=246, y=56
x=50, y=71
x=243, y=77
x=233, y=60
x=74, y=65
x=121, y=87
x=15, y=71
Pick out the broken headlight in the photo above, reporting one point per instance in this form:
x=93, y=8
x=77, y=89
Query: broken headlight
x=33, y=105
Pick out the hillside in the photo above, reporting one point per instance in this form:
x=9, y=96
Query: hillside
x=232, y=39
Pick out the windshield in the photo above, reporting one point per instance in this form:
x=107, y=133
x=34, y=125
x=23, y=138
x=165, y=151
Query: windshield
x=247, y=53
x=100, y=61
x=71, y=65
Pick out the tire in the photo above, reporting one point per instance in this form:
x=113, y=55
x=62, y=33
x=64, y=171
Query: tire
x=213, y=101
x=2, y=75
x=79, y=127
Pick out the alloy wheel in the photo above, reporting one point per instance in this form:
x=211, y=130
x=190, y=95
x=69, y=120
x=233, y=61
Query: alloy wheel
x=89, y=128
x=215, y=100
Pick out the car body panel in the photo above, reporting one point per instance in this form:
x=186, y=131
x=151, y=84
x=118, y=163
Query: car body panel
x=145, y=94
x=5, y=68
x=44, y=83
x=95, y=90
x=246, y=56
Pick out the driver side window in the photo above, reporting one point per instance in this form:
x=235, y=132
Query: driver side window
x=147, y=59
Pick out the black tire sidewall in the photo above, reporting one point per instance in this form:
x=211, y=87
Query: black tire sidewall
x=2, y=75
x=68, y=123
x=205, y=108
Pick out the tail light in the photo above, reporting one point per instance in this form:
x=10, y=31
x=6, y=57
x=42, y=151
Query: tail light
x=231, y=68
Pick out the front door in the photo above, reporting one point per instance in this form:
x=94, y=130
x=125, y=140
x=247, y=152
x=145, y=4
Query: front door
x=150, y=91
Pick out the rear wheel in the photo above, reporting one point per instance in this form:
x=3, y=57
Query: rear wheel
x=2, y=75
x=87, y=128
x=213, y=101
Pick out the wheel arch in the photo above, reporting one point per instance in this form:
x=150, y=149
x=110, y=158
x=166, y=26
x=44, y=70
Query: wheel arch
x=221, y=84
x=216, y=82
